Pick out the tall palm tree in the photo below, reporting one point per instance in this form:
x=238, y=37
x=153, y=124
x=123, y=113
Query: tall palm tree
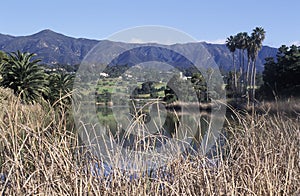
x=231, y=45
x=257, y=36
x=250, y=49
x=24, y=76
x=242, y=42
x=238, y=42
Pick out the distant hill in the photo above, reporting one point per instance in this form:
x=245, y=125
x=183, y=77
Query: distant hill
x=55, y=48
x=50, y=46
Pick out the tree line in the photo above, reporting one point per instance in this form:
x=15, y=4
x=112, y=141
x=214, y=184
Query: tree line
x=244, y=74
x=282, y=75
x=23, y=73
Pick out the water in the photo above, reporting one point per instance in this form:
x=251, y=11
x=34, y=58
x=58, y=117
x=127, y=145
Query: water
x=163, y=125
x=163, y=122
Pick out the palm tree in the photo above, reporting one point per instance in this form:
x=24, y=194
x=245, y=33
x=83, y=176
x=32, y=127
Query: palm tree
x=60, y=85
x=231, y=45
x=257, y=36
x=250, y=49
x=2, y=55
x=24, y=76
x=241, y=43
x=238, y=42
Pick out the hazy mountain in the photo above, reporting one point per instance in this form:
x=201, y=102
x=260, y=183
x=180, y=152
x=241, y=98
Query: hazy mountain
x=55, y=48
x=51, y=47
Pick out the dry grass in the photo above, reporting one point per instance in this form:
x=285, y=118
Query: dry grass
x=290, y=107
x=40, y=156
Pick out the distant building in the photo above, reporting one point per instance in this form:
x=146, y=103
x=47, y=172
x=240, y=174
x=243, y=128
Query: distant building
x=183, y=77
x=104, y=74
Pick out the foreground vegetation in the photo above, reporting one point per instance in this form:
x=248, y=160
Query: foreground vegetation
x=41, y=154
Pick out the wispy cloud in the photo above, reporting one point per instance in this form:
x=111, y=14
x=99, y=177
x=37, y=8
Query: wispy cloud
x=297, y=43
x=168, y=42
x=141, y=41
x=136, y=41
x=217, y=41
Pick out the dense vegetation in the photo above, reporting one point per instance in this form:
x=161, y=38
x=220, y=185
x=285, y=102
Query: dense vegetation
x=282, y=75
x=25, y=77
x=30, y=81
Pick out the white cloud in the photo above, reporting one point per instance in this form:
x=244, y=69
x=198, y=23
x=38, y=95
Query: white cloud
x=169, y=42
x=136, y=41
x=141, y=41
x=217, y=41
x=297, y=43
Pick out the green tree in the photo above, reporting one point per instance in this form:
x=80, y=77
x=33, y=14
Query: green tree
x=60, y=85
x=229, y=78
x=281, y=78
x=178, y=89
x=147, y=87
x=241, y=40
x=200, y=86
x=231, y=45
x=24, y=76
x=3, y=55
x=257, y=36
x=250, y=50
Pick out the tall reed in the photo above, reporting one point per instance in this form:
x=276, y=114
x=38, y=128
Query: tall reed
x=41, y=155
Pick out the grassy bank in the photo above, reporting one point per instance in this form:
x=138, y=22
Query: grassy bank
x=40, y=155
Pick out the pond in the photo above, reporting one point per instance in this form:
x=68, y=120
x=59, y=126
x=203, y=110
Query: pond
x=146, y=136
x=162, y=124
x=158, y=121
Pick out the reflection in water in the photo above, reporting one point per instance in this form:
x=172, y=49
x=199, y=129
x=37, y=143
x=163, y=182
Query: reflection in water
x=161, y=125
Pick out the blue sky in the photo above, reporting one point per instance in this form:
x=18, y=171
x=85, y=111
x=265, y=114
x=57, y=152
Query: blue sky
x=209, y=20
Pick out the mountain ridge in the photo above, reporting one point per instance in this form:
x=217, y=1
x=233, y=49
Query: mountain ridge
x=56, y=48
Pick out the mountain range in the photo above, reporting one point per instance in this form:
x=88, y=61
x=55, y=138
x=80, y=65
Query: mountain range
x=56, y=48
